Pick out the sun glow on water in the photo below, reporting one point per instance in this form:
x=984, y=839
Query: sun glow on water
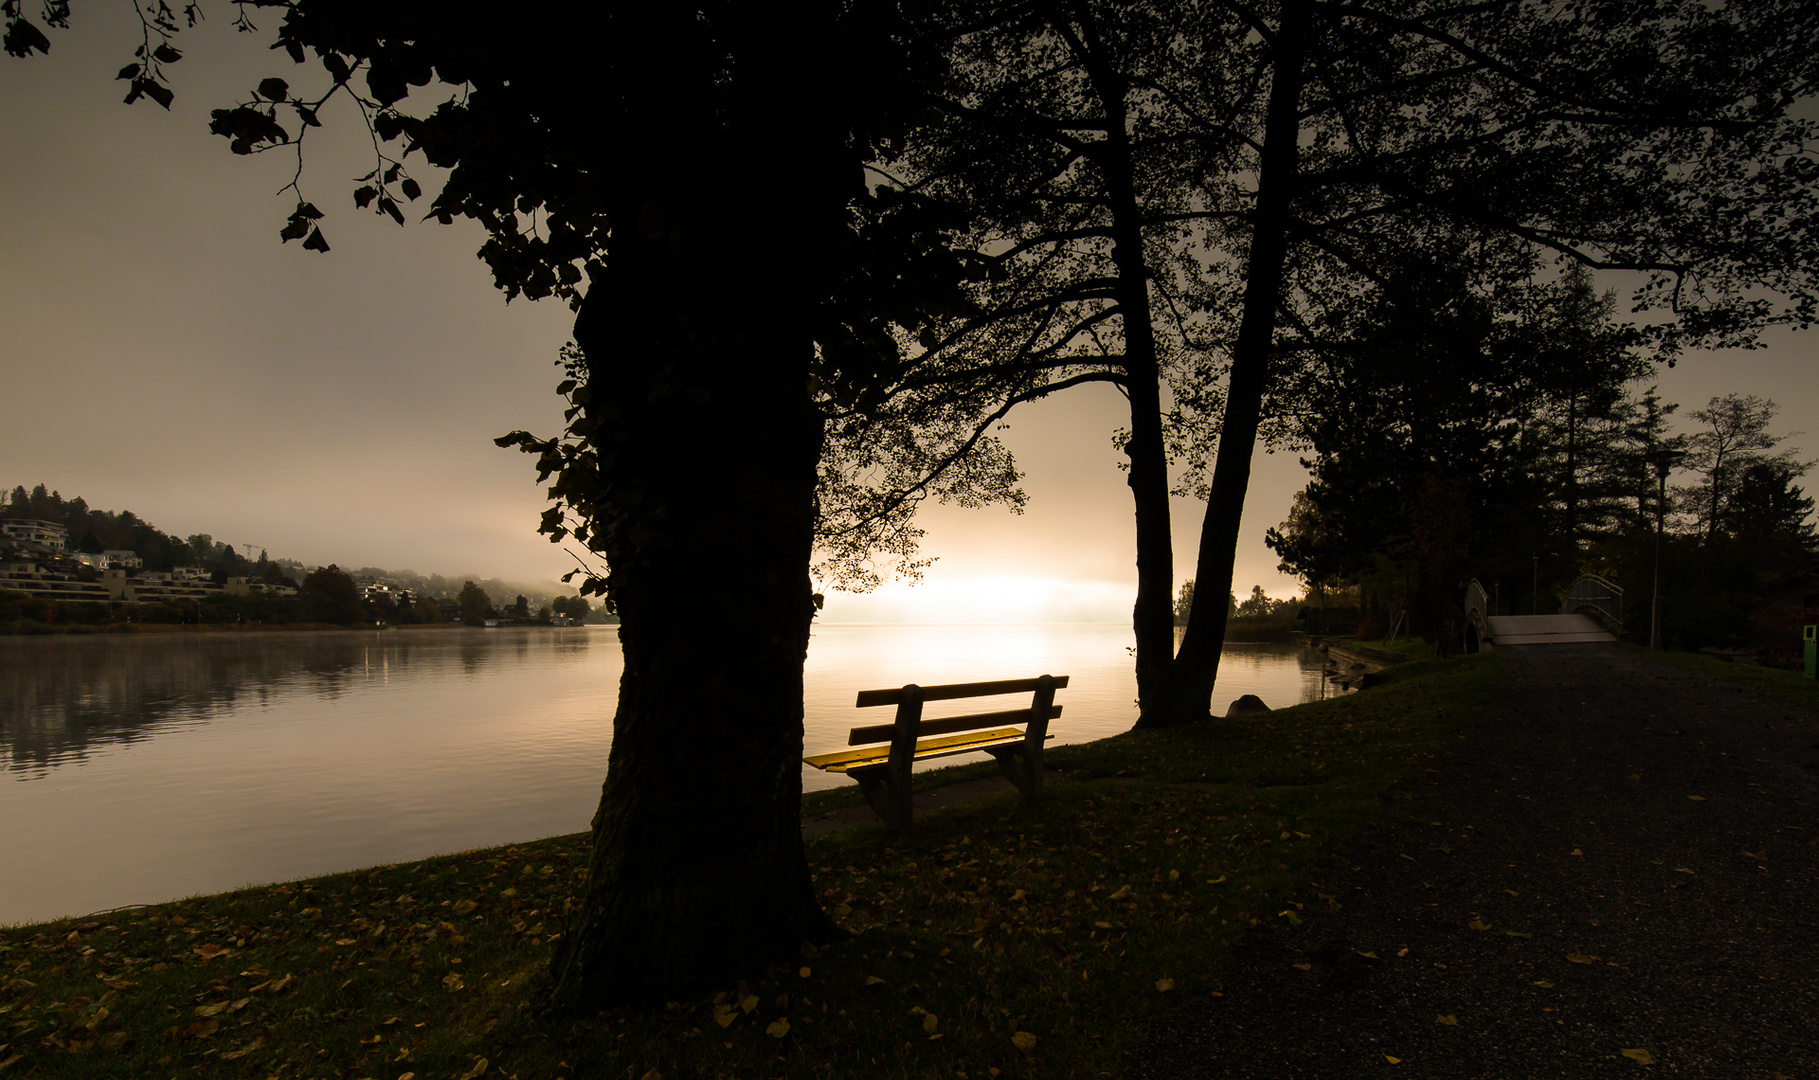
x=997, y=598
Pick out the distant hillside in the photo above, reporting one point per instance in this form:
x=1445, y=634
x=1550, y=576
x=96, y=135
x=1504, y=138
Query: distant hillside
x=95, y=531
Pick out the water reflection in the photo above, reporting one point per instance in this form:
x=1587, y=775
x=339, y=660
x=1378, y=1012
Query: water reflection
x=141, y=768
x=63, y=698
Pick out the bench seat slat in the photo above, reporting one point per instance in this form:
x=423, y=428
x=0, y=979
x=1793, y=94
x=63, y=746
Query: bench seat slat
x=869, y=698
x=842, y=761
x=943, y=725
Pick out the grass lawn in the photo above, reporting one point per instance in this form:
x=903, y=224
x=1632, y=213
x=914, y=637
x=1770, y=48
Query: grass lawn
x=998, y=940
x=1786, y=685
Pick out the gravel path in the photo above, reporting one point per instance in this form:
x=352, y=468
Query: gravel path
x=1617, y=864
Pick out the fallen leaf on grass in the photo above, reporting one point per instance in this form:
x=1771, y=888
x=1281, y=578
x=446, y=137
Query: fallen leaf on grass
x=452, y=983
x=1640, y=1057
x=652, y=1074
x=1163, y=986
x=1544, y=984
x=1123, y=893
x=273, y=986
x=258, y=1043
x=1580, y=958
x=750, y=1001
x=1023, y=1041
x=479, y=1069
x=1392, y=1059
x=1479, y=924
x=116, y=1040
x=1695, y=798
x=777, y=1029
x=1681, y=870
x=1517, y=933
x=1303, y=967
x=930, y=1023
x=1293, y=919
x=202, y=1029
x=9, y=1061
x=211, y=1010
x=870, y=980
x=724, y=1015
x=344, y=941
x=462, y=907
x=1576, y=851
x=1448, y=1019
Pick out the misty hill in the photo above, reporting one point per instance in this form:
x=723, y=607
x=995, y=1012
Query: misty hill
x=95, y=531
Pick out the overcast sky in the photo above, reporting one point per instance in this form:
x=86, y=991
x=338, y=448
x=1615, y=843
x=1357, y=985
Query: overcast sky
x=161, y=351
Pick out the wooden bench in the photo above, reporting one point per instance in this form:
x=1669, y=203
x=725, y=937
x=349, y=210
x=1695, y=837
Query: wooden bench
x=883, y=771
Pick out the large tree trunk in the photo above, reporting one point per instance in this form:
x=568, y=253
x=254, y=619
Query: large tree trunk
x=697, y=872
x=699, y=345
x=1187, y=695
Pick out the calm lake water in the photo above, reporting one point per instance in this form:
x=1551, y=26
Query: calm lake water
x=139, y=769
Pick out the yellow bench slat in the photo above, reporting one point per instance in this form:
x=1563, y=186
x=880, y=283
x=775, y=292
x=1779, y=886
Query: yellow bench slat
x=841, y=761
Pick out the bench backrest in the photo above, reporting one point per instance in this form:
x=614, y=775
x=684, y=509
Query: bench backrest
x=909, y=699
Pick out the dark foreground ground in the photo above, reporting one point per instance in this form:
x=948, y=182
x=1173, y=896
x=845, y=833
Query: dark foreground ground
x=1615, y=874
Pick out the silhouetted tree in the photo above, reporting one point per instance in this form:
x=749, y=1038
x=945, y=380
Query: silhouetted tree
x=329, y=595
x=1227, y=173
x=475, y=604
x=1733, y=436
x=714, y=320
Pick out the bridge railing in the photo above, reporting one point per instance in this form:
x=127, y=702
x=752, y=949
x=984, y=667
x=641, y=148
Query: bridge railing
x=1477, y=629
x=1593, y=591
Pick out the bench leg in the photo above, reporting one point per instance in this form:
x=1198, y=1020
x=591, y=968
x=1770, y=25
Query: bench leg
x=1015, y=763
x=891, y=801
x=1022, y=763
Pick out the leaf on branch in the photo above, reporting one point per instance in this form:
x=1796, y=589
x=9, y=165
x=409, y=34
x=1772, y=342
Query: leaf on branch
x=247, y=126
x=165, y=54
x=363, y=196
x=412, y=191
x=130, y=71
x=391, y=207
x=274, y=89
x=315, y=242
x=22, y=38
x=158, y=92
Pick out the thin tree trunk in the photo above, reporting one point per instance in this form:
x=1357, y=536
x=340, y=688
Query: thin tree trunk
x=1191, y=676
x=1153, y=614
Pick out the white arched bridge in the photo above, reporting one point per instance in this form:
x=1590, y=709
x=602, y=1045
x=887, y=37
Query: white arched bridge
x=1592, y=610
